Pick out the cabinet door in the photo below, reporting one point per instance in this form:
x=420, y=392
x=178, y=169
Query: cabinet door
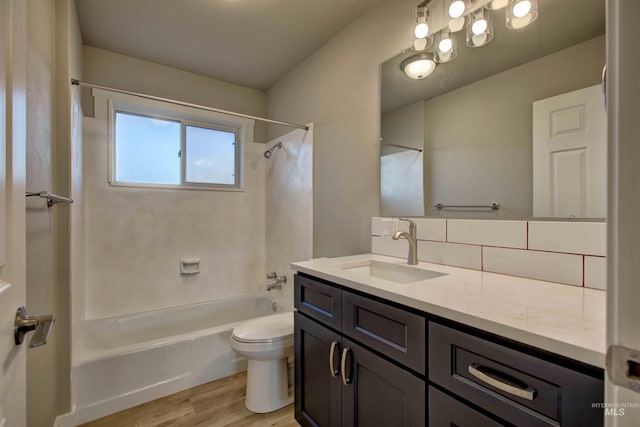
x=379, y=393
x=445, y=411
x=318, y=388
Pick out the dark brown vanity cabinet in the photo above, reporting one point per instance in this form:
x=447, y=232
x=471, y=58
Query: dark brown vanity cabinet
x=339, y=382
x=361, y=361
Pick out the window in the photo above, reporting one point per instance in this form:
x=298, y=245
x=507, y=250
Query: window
x=156, y=151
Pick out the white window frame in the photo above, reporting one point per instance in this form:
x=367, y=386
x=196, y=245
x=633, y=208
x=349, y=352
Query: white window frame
x=106, y=104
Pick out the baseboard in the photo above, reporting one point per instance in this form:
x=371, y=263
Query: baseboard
x=66, y=420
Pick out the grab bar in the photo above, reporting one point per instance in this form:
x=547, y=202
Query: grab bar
x=52, y=199
x=492, y=206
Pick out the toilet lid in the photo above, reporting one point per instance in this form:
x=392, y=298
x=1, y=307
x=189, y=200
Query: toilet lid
x=270, y=328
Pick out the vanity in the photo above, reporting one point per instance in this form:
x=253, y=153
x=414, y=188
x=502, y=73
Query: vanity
x=381, y=343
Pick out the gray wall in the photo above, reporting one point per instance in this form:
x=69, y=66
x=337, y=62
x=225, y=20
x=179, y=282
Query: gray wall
x=480, y=135
x=338, y=88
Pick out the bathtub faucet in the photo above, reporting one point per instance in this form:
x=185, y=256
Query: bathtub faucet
x=279, y=280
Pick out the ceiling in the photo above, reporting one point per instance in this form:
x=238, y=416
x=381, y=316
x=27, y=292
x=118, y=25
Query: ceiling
x=252, y=43
x=560, y=24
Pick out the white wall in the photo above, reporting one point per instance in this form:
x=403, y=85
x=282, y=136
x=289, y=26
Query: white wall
x=338, y=88
x=135, y=237
x=289, y=207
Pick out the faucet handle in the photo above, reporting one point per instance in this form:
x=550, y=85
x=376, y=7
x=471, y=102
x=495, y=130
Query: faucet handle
x=271, y=275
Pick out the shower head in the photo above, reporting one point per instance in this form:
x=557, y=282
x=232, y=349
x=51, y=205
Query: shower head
x=267, y=153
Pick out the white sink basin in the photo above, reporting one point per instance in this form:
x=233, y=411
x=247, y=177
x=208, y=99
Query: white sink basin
x=396, y=273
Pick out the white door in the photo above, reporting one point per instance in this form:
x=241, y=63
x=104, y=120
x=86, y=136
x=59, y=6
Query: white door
x=570, y=155
x=12, y=209
x=623, y=220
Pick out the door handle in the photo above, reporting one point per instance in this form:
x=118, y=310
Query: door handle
x=332, y=367
x=25, y=323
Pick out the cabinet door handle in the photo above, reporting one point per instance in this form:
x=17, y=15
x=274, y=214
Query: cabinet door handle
x=334, y=372
x=524, y=391
x=343, y=366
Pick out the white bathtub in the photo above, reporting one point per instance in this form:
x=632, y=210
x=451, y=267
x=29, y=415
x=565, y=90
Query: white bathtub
x=123, y=361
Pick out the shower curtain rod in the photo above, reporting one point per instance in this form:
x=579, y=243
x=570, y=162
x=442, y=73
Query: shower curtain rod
x=77, y=82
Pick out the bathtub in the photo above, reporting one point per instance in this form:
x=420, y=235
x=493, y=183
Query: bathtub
x=124, y=361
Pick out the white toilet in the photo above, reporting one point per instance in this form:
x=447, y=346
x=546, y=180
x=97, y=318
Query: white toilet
x=267, y=342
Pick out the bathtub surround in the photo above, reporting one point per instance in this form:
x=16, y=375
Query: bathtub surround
x=572, y=253
x=289, y=208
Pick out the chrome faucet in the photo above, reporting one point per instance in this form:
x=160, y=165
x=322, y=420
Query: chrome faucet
x=279, y=280
x=412, y=258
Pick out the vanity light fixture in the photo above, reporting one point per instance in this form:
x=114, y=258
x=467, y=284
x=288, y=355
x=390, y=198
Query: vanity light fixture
x=446, y=50
x=418, y=66
x=521, y=13
x=480, y=30
x=421, y=31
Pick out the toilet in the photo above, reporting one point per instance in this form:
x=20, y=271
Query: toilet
x=267, y=343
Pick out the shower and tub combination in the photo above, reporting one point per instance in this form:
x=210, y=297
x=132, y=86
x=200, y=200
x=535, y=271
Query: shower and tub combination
x=123, y=361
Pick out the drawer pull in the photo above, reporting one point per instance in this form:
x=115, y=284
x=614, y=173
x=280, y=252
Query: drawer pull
x=343, y=367
x=524, y=392
x=334, y=372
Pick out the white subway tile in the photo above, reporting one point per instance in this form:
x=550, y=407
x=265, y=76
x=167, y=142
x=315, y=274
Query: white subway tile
x=553, y=267
x=589, y=238
x=389, y=247
x=431, y=229
x=383, y=226
x=506, y=234
x=454, y=254
x=595, y=272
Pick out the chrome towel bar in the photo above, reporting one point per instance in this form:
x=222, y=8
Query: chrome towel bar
x=492, y=206
x=52, y=199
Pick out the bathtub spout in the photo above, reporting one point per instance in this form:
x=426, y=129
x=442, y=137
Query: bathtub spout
x=277, y=284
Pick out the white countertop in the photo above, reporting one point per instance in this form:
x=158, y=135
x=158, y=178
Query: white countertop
x=562, y=319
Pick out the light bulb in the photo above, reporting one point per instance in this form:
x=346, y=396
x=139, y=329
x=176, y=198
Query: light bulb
x=445, y=45
x=457, y=24
x=479, y=27
x=421, y=31
x=521, y=9
x=456, y=9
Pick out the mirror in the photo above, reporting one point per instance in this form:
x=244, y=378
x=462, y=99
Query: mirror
x=505, y=123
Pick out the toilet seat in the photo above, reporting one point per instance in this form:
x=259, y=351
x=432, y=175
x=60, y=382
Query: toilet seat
x=267, y=329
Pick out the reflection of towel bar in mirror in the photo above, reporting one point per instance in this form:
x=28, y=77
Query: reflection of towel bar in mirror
x=52, y=199
x=401, y=146
x=492, y=206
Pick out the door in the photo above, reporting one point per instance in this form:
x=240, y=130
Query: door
x=570, y=155
x=317, y=364
x=379, y=393
x=623, y=219
x=12, y=209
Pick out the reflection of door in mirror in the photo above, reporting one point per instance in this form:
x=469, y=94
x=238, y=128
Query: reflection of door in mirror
x=570, y=155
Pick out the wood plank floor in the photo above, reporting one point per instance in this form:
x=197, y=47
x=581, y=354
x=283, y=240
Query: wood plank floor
x=219, y=403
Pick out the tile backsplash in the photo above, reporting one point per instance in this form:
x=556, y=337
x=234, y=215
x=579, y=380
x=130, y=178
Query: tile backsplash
x=572, y=253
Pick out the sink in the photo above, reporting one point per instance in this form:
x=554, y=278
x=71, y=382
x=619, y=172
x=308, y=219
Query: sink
x=397, y=273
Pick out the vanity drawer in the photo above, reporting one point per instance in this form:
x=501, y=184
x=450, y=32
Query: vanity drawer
x=445, y=411
x=394, y=332
x=517, y=387
x=318, y=300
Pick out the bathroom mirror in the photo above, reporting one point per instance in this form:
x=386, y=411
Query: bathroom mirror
x=473, y=119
